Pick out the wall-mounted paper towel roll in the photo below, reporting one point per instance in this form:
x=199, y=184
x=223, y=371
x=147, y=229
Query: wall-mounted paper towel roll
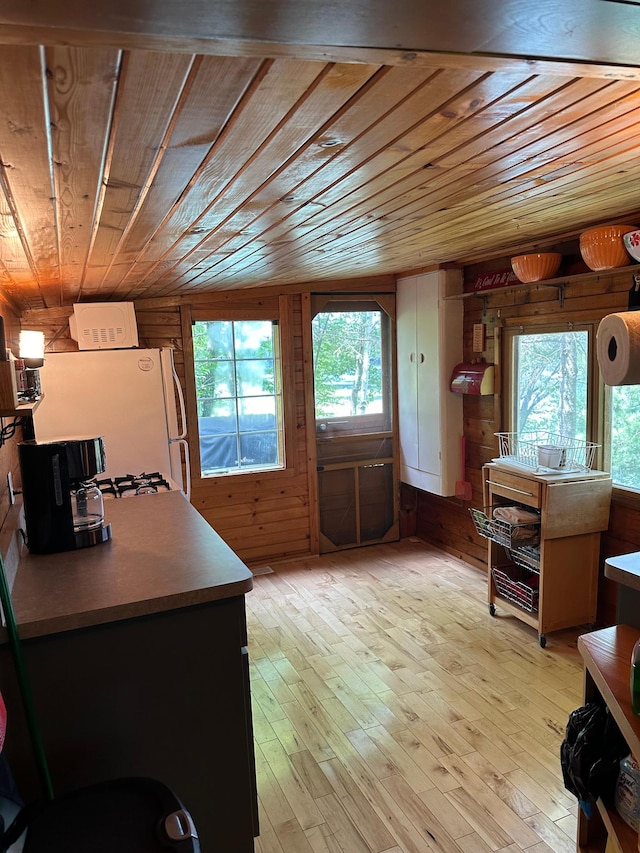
x=618, y=348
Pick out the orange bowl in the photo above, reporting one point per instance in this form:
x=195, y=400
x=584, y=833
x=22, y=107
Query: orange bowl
x=603, y=248
x=536, y=267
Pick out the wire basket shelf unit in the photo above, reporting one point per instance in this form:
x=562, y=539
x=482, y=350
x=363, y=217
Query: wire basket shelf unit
x=518, y=586
x=508, y=535
x=532, y=450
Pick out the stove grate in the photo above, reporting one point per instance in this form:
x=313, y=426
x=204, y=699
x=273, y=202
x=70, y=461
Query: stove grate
x=131, y=485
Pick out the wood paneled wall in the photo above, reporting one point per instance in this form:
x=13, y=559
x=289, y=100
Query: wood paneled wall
x=446, y=521
x=264, y=517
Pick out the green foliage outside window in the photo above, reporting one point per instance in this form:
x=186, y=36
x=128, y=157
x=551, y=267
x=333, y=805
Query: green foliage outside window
x=625, y=435
x=551, y=371
x=347, y=361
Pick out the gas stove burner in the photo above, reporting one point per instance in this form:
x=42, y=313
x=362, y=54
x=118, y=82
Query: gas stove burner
x=131, y=485
x=107, y=487
x=141, y=484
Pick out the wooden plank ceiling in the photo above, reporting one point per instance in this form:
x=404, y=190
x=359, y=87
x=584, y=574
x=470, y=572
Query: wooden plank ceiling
x=129, y=173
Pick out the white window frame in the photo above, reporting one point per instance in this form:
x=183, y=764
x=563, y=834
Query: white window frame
x=281, y=406
x=595, y=407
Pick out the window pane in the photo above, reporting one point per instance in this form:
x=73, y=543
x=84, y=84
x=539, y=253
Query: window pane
x=625, y=433
x=216, y=412
x=550, y=383
x=257, y=413
x=218, y=453
x=259, y=449
x=347, y=363
x=255, y=377
x=238, y=396
x=219, y=339
x=253, y=339
x=215, y=379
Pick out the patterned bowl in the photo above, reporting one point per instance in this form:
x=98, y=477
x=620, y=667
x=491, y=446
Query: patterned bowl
x=536, y=267
x=603, y=248
x=632, y=244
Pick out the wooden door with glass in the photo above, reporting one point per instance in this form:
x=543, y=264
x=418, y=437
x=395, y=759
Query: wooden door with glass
x=353, y=366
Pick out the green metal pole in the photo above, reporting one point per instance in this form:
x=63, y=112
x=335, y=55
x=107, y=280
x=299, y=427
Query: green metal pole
x=23, y=683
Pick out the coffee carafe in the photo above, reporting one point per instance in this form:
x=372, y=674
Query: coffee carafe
x=63, y=508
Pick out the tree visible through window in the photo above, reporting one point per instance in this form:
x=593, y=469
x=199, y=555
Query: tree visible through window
x=238, y=395
x=348, y=363
x=550, y=373
x=623, y=430
x=549, y=386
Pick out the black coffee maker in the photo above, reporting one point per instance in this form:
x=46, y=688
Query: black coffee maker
x=63, y=508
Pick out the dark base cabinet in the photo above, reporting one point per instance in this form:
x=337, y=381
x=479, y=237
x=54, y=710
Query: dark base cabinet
x=165, y=695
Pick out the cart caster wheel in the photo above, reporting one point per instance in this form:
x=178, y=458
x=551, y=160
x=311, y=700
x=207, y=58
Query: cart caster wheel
x=492, y=609
x=543, y=641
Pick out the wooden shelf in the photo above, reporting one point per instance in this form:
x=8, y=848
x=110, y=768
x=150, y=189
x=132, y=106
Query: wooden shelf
x=625, y=837
x=530, y=617
x=22, y=410
x=558, y=283
x=607, y=657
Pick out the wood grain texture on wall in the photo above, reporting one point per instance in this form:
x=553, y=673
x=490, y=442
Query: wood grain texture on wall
x=263, y=517
x=268, y=516
x=446, y=521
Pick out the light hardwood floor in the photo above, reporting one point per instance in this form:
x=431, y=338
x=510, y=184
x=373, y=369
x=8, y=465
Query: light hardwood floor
x=393, y=714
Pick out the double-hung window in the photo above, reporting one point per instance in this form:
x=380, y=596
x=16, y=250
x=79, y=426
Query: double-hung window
x=554, y=385
x=239, y=395
x=550, y=381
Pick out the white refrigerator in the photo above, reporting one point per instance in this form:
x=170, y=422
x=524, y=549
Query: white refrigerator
x=126, y=396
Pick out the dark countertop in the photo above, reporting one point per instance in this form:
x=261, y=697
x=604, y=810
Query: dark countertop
x=163, y=555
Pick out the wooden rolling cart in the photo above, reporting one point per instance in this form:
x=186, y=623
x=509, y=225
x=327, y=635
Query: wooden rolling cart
x=551, y=583
x=607, y=656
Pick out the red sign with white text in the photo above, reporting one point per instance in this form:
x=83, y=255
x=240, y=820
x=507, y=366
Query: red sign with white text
x=489, y=280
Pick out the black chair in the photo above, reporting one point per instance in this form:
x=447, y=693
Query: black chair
x=131, y=815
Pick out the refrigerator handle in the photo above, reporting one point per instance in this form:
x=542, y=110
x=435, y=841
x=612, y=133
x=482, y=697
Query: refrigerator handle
x=187, y=464
x=183, y=412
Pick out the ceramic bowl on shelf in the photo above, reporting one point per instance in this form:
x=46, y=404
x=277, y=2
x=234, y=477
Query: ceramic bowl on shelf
x=632, y=244
x=536, y=267
x=603, y=248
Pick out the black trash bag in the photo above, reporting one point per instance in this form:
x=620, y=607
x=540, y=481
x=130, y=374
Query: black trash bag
x=590, y=754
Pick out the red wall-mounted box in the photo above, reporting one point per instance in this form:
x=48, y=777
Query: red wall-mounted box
x=472, y=378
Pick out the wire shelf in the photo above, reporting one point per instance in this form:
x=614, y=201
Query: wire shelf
x=505, y=534
x=533, y=449
x=528, y=557
x=518, y=586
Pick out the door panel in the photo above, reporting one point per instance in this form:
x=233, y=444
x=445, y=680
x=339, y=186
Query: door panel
x=355, y=435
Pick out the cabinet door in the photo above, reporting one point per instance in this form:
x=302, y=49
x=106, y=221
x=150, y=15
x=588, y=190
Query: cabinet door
x=429, y=346
x=407, y=374
x=165, y=695
x=428, y=375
